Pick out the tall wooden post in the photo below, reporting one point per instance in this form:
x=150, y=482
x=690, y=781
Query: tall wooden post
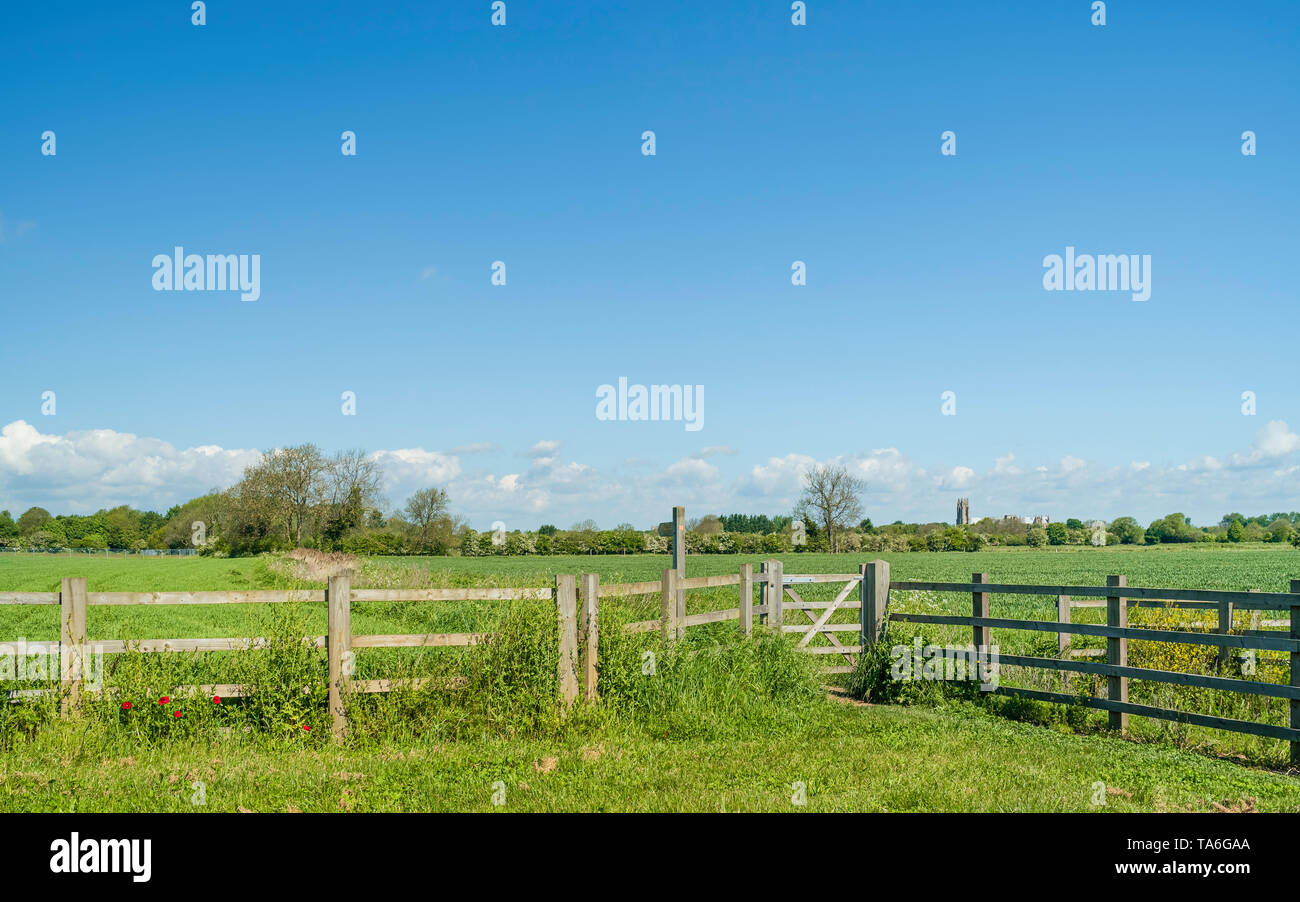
x=1295, y=673
x=588, y=632
x=566, y=613
x=338, y=645
x=763, y=599
x=668, y=604
x=874, y=595
x=980, y=635
x=1117, y=651
x=679, y=565
x=747, y=599
x=72, y=639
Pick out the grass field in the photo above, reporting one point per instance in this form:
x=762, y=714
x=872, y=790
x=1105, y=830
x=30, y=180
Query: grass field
x=847, y=758
x=716, y=737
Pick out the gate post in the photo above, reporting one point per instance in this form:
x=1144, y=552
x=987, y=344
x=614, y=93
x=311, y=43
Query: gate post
x=747, y=599
x=776, y=613
x=873, y=591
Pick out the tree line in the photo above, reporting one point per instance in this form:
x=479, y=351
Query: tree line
x=300, y=497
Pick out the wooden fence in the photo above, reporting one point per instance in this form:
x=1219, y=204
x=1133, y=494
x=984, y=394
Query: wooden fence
x=577, y=611
x=1118, y=598
x=577, y=606
x=339, y=640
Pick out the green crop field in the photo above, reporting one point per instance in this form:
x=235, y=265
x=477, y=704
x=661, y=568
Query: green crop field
x=1265, y=567
x=723, y=727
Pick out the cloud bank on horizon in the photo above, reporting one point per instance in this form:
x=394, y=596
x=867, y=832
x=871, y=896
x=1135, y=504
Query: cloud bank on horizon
x=84, y=471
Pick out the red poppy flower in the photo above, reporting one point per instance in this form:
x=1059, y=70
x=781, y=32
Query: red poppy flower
x=216, y=699
x=305, y=727
x=164, y=700
x=177, y=713
x=126, y=706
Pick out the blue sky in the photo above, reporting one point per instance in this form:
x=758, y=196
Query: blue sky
x=775, y=143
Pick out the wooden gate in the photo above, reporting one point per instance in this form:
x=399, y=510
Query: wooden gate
x=781, y=595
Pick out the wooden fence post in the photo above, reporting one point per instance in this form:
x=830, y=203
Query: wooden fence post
x=1225, y=627
x=589, y=629
x=1063, y=605
x=668, y=603
x=747, y=599
x=338, y=648
x=72, y=639
x=980, y=635
x=763, y=568
x=1117, y=651
x=679, y=565
x=776, y=607
x=566, y=612
x=1295, y=673
x=874, y=594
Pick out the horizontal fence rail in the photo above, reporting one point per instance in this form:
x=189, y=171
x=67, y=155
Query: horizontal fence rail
x=1265, y=601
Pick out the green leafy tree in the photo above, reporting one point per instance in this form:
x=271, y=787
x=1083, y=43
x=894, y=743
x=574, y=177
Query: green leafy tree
x=32, y=519
x=1129, y=531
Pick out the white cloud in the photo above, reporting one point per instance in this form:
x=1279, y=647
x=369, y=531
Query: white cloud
x=780, y=475
x=689, y=471
x=544, y=448
x=1271, y=442
x=415, y=465
x=1006, y=464
x=82, y=471
x=957, y=478
x=1070, y=464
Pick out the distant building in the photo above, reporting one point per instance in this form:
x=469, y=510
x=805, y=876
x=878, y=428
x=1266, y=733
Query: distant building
x=1042, y=520
x=963, y=511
